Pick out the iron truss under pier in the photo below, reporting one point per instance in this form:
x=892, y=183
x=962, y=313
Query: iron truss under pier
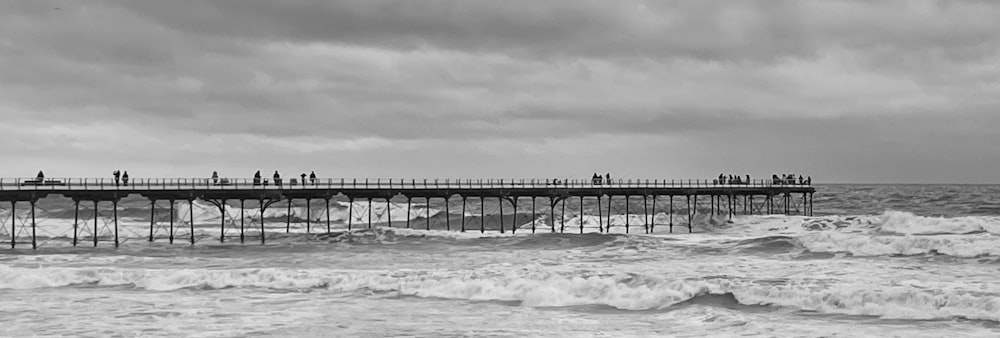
x=693, y=197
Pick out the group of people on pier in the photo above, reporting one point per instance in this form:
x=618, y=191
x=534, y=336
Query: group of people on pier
x=277, y=178
x=598, y=180
x=789, y=179
x=732, y=179
x=120, y=177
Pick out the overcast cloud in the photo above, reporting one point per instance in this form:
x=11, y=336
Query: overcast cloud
x=846, y=91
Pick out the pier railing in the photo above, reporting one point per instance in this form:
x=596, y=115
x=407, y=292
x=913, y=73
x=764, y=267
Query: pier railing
x=34, y=184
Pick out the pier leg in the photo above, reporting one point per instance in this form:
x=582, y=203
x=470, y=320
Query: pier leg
x=95, y=222
x=262, y=234
x=369, y=213
x=552, y=215
x=581, y=214
x=408, y=204
x=13, y=224
x=600, y=217
x=427, y=210
x=670, y=216
x=34, y=241
x=608, y=228
x=562, y=216
x=171, y=223
x=114, y=212
x=447, y=213
x=463, y=213
x=513, y=228
x=482, y=214
x=288, y=217
x=627, y=216
x=350, y=214
x=652, y=222
x=191, y=218
x=76, y=219
x=500, y=201
x=645, y=213
x=242, y=220
x=222, y=229
x=152, y=218
x=308, y=215
x=327, y=215
x=689, y=211
x=788, y=201
x=711, y=205
x=388, y=210
x=533, y=217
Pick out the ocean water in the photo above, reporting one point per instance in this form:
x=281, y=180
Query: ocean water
x=876, y=260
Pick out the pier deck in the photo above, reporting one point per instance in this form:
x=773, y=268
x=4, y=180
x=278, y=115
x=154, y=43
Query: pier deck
x=723, y=198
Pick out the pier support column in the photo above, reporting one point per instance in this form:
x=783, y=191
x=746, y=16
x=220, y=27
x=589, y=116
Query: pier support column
x=388, y=210
x=533, y=216
x=171, y=223
x=308, y=215
x=447, y=212
x=600, y=217
x=552, y=215
x=652, y=221
x=13, y=224
x=350, y=214
x=262, y=207
x=500, y=201
x=222, y=228
x=427, y=210
x=34, y=241
x=242, y=220
x=689, y=211
x=369, y=213
x=152, y=219
x=627, y=216
x=76, y=219
x=463, y=213
x=581, y=214
x=191, y=218
x=645, y=212
x=670, y=215
x=327, y=215
x=114, y=212
x=513, y=228
x=608, y=228
x=409, y=203
x=562, y=217
x=482, y=214
x=288, y=217
x=95, y=222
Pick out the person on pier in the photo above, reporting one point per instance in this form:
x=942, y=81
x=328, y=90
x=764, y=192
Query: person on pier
x=125, y=178
x=312, y=177
x=41, y=176
x=215, y=177
x=607, y=176
x=277, y=178
x=117, y=174
x=256, y=178
x=303, y=176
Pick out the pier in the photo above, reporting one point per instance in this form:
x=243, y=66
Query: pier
x=680, y=199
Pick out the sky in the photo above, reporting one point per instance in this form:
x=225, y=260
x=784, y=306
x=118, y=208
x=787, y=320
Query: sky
x=843, y=91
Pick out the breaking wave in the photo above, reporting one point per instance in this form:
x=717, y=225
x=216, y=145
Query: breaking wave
x=540, y=288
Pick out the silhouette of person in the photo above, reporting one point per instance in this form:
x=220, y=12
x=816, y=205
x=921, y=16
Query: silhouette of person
x=215, y=177
x=125, y=177
x=608, y=177
x=117, y=174
x=41, y=175
x=303, y=176
x=312, y=177
x=277, y=178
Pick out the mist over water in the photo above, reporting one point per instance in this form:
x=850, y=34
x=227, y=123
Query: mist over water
x=876, y=260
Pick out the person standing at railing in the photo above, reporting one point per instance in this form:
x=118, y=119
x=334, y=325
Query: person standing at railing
x=312, y=177
x=215, y=177
x=607, y=177
x=125, y=178
x=303, y=176
x=256, y=178
x=117, y=174
x=41, y=176
x=277, y=178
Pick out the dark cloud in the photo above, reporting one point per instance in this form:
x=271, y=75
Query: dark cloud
x=849, y=89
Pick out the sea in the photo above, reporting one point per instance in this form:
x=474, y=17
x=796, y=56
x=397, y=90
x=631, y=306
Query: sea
x=873, y=261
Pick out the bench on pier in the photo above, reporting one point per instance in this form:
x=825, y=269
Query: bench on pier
x=42, y=182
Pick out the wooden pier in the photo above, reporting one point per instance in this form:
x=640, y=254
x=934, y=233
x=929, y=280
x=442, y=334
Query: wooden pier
x=693, y=197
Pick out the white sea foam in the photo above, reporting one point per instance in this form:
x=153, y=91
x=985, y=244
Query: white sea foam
x=540, y=288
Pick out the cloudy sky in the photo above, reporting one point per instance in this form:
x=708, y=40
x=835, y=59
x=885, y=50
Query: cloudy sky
x=845, y=91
